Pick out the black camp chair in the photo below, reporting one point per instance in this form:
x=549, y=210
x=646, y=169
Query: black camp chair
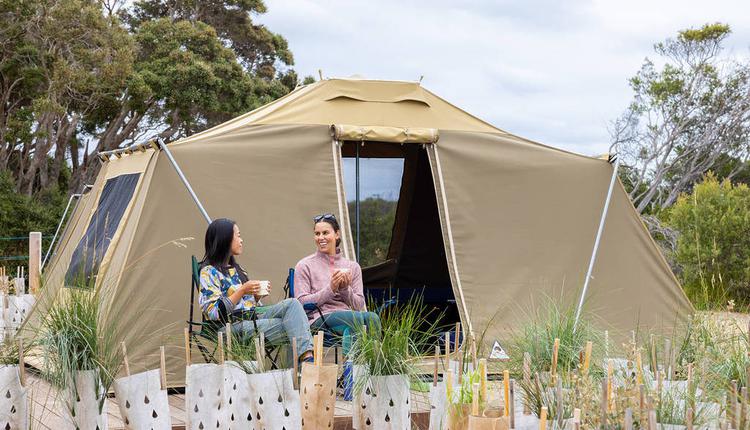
x=205, y=333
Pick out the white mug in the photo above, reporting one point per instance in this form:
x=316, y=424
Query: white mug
x=264, y=288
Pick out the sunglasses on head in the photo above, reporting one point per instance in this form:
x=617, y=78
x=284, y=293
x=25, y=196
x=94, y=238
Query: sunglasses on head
x=324, y=217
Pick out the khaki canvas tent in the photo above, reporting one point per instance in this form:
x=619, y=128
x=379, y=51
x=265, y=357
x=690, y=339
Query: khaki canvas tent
x=486, y=221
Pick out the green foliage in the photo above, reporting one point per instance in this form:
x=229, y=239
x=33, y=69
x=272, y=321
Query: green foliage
x=376, y=228
x=20, y=214
x=406, y=332
x=713, y=250
x=536, y=336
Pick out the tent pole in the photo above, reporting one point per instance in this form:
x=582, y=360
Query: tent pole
x=356, y=202
x=184, y=180
x=596, y=242
x=59, y=225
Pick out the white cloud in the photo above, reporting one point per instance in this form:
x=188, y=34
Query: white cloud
x=552, y=71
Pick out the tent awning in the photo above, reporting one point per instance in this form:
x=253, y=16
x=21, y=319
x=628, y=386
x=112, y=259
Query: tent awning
x=358, y=133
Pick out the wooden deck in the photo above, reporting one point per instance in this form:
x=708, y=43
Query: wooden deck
x=48, y=413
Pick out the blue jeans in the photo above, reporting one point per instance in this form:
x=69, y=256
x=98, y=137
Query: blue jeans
x=285, y=320
x=342, y=323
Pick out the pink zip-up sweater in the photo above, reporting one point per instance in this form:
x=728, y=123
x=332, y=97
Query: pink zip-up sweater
x=312, y=284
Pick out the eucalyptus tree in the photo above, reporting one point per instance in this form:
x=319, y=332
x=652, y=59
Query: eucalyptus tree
x=690, y=114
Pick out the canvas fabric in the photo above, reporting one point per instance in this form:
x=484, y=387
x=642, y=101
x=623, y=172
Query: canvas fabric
x=518, y=219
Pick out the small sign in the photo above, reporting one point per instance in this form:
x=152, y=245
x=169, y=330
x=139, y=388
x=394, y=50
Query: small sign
x=498, y=353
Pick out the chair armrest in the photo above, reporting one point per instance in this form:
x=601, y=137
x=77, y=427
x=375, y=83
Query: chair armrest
x=386, y=304
x=309, y=307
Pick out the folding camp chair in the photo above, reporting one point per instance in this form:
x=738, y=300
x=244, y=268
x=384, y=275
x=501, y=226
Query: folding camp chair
x=205, y=332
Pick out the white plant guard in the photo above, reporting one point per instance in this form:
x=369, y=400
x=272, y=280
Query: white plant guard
x=3, y=324
x=18, y=307
x=275, y=403
x=438, y=407
x=14, y=408
x=383, y=404
x=82, y=402
x=237, y=397
x=143, y=404
x=318, y=395
x=453, y=365
x=204, y=400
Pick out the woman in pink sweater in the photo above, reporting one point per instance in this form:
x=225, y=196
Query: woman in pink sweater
x=332, y=282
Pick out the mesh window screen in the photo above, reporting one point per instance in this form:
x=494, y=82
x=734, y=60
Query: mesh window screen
x=113, y=201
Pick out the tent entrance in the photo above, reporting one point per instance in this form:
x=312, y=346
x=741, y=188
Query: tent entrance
x=413, y=261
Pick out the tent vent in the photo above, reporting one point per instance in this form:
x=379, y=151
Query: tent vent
x=359, y=133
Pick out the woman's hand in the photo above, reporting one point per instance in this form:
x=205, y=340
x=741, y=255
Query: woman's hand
x=340, y=280
x=251, y=288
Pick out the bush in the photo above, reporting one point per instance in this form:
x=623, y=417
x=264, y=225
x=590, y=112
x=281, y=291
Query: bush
x=20, y=214
x=713, y=248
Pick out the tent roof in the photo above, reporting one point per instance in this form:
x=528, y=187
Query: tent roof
x=360, y=102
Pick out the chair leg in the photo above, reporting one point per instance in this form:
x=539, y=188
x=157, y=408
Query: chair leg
x=208, y=356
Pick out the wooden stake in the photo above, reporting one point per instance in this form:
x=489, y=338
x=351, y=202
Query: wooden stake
x=258, y=355
x=125, y=358
x=743, y=407
x=437, y=365
x=21, y=364
x=543, y=418
x=652, y=419
x=458, y=336
x=605, y=403
x=642, y=406
x=526, y=378
x=483, y=378
x=576, y=415
x=667, y=359
x=221, y=348
x=732, y=405
x=35, y=261
x=654, y=366
x=555, y=351
x=689, y=419
x=512, y=404
x=229, y=340
x=163, y=368
x=730, y=401
x=506, y=392
x=473, y=351
x=295, y=363
x=447, y=347
x=559, y=402
x=475, y=399
x=628, y=419
x=587, y=357
x=187, y=347
x=460, y=367
x=318, y=359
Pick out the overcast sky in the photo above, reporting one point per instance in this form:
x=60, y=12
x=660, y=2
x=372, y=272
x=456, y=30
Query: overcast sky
x=553, y=71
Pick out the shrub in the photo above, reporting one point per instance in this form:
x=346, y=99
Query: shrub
x=713, y=249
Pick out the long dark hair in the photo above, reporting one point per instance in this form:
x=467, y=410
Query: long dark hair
x=219, y=236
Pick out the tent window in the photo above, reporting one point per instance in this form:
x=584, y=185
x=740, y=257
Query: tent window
x=379, y=185
x=88, y=255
